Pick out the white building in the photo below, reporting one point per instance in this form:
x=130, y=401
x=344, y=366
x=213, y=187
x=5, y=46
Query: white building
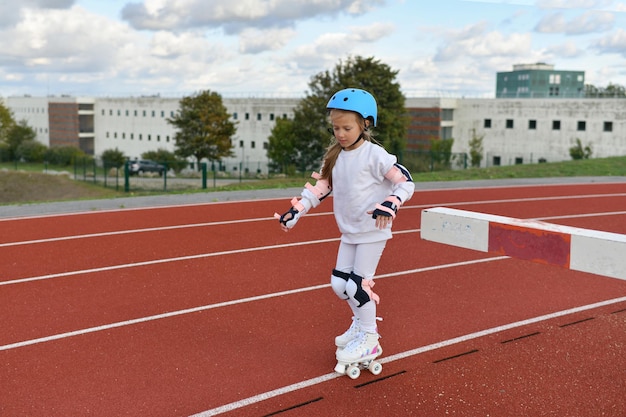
x=138, y=125
x=514, y=130
x=519, y=131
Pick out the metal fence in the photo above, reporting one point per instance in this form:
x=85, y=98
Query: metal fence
x=210, y=176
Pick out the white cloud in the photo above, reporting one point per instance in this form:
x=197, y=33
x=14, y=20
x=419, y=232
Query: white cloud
x=613, y=43
x=573, y=4
x=235, y=16
x=64, y=40
x=475, y=42
x=254, y=41
x=565, y=50
x=588, y=22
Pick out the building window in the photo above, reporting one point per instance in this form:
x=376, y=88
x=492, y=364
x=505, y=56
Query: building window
x=272, y=116
x=556, y=125
x=519, y=160
x=235, y=116
x=252, y=145
x=258, y=116
x=555, y=78
x=241, y=143
x=447, y=115
x=247, y=116
x=608, y=126
x=487, y=124
x=509, y=123
x=582, y=126
x=496, y=161
x=532, y=125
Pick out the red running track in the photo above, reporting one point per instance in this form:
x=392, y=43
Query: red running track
x=212, y=309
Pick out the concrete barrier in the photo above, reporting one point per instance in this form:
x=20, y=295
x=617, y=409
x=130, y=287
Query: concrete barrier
x=585, y=250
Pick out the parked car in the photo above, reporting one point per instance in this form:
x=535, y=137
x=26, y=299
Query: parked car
x=145, y=165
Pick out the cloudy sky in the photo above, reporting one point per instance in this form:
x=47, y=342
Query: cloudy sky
x=273, y=47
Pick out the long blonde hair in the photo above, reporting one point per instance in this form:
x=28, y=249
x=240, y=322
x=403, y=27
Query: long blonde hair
x=334, y=149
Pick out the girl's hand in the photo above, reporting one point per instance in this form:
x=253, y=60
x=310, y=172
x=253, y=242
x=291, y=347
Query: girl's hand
x=383, y=220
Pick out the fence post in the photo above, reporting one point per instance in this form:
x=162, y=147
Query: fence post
x=204, y=175
x=126, y=177
x=165, y=177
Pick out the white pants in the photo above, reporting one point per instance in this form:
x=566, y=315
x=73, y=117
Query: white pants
x=361, y=260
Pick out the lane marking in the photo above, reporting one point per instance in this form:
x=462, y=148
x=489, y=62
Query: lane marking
x=326, y=213
x=231, y=252
x=165, y=260
x=225, y=304
x=403, y=355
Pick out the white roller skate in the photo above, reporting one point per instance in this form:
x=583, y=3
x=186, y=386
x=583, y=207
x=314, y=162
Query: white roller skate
x=342, y=340
x=360, y=353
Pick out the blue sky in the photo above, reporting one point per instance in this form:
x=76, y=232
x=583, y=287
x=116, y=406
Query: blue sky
x=446, y=48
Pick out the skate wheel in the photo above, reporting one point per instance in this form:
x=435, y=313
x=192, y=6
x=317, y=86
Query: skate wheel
x=353, y=371
x=375, y=367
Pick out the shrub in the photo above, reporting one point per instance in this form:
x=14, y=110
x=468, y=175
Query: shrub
x=113, y=158
x=31, y=151
x=64, y=155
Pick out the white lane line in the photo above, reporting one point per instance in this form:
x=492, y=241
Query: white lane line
x=231, y=252
x=323, y=378
x=129, y=231
x=222, y=304
x=164, y=260
x=225, y=222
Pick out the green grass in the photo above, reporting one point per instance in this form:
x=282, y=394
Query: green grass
x=29, y=184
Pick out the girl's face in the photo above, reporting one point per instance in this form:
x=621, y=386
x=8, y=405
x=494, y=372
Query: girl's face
x=346, y=128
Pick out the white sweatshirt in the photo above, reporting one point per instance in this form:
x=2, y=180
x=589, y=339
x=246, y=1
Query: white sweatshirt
x=359, y=183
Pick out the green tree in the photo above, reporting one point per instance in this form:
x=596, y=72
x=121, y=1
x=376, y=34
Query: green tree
x=16, y=135
x=579, y=152
x=476, y=149
x=113, y=158
x=6, y=122
x=65, y=155
x=610, y=91
x=441, y=153
x=31, y=151
x=308, y=131
x=282, y=150
x=204, y=127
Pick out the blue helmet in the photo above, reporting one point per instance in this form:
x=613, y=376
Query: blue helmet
x=356, y=100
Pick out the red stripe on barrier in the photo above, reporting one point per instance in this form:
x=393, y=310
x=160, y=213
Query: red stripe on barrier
x=535, y=245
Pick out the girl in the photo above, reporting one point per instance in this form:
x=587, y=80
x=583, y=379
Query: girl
x=369, y=186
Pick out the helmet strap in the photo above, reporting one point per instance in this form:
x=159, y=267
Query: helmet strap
x=355, y=142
